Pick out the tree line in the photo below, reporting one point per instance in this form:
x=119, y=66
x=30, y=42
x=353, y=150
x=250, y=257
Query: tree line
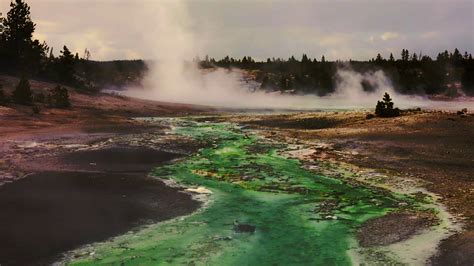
x=412, y=73
x=22, y=55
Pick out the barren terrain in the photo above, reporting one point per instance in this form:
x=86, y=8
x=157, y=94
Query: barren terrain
x=433, y=146
x=69, y=177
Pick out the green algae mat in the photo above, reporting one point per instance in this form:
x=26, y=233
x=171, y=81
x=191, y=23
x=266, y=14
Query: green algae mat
x=261, y=209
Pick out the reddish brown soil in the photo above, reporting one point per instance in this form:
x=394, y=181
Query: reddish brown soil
x=92, y=117
x=71, y=197
x=92, y=112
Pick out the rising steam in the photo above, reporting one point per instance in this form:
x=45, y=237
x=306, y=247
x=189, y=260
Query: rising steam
x=173, y=78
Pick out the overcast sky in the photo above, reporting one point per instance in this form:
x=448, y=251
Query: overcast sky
x=339, y=29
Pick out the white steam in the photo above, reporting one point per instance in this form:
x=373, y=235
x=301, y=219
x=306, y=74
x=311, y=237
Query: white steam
x=174, y=78
x=350, y=91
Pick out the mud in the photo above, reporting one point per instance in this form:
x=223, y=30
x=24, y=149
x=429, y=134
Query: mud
x=392, y=228
x=457, y=250
x=282, y=121
x=49, y=213
x=122, y=159
x=87, y=185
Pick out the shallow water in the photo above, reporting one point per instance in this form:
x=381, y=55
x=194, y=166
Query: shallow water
x=300, y=217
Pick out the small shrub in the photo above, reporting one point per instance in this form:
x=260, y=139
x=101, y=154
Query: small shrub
x=385, y=108
x=22, y=93
x=3, y=97
x=36, y=109
x=463, y=112
x=39, y=97
x=59, y=97
x=369, y=116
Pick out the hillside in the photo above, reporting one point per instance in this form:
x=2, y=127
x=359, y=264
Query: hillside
x=87, y=110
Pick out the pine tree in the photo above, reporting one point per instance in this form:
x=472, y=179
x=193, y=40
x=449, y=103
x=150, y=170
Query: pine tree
x=385, y=108
x=379, y=108
x=405, y=55
x=59, y=97
x=304, y=59
x=379, y=58
x=457, y=56
x=387, y=101
x=65, y=66
x=3, y=98
x=22, y=93
x=20, y=51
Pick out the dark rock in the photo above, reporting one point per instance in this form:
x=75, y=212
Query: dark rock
x=244, y=228
x=370, y=116
x=392, y=228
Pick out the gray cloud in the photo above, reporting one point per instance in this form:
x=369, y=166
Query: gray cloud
x=340, y=29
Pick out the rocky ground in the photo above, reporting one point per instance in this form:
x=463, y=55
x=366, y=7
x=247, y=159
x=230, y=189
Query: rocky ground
x=433, y=147
x=61, y=191
x=73, y=176
x=25, y=135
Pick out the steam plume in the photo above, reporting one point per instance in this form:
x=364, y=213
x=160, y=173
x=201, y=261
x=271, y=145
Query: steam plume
x=173, y=78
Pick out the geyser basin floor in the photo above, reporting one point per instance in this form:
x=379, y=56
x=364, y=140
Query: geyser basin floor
x=299, y=217
x=48, y=213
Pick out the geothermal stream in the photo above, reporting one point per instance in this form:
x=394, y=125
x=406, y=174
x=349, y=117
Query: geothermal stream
x=264, y=208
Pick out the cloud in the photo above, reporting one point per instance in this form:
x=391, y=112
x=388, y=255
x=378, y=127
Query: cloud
x=389, y=36
x=334, y=39
x=113, y=29
x=46, y=25
x=430, y=35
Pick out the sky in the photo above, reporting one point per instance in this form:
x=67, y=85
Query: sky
x=338, y=29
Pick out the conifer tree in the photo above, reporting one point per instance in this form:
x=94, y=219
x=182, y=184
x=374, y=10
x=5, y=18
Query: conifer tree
x=391, y=59
x=385, y=108
x=22, y=93
x=19, y=51
x=379, y=58
x=66, y=65
x=59, y=97
x=3, y=98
